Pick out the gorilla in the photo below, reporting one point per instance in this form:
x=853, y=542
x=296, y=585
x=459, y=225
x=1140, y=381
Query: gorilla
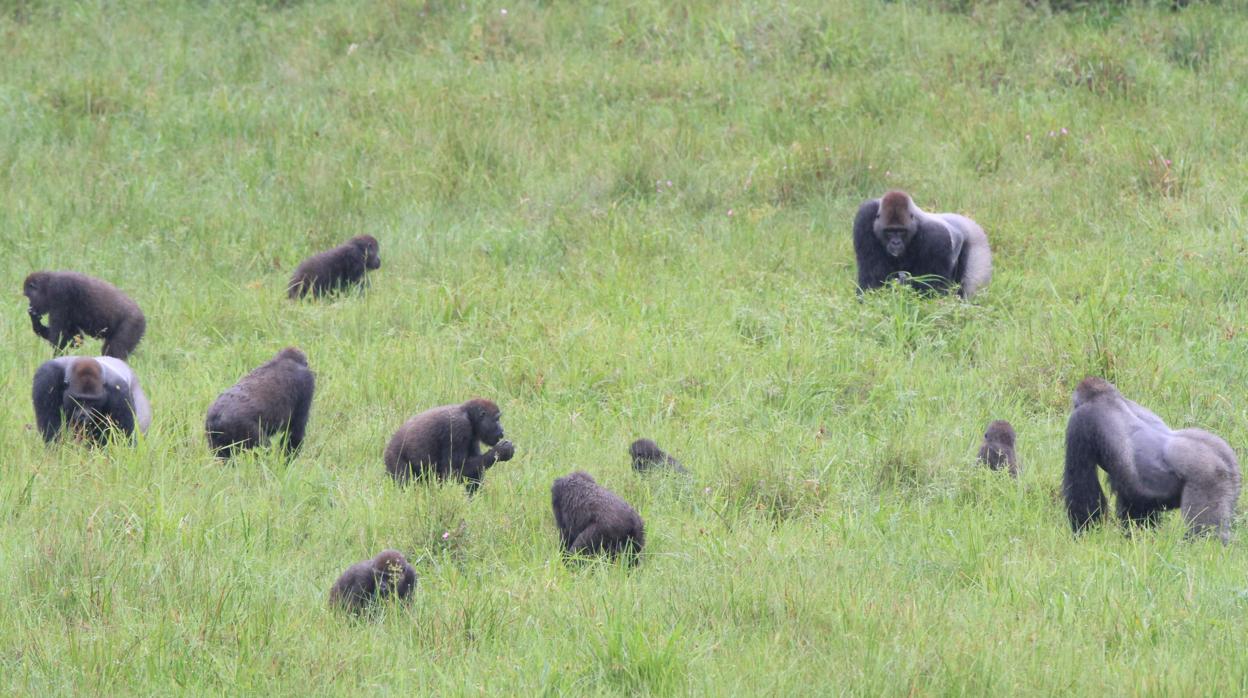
x=92, y=395
x=997, y=450
x=367, y=582
x=592, y=519
x=647, y=455
x=276, y=396
x=335, y=269
x=444, y=441
x=76, y=303
x=1151, y=467
x=895, y=238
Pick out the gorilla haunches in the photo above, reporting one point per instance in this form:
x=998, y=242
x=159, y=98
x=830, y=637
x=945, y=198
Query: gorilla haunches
x=91, y=394
x=335, y=269
x=367, y=582
x=894, y=237
x=647, y=455
x=276, y=396
x=76, y=303
x=444, y=441
x=592, y=519
x=1151, y=467
x=997, y=450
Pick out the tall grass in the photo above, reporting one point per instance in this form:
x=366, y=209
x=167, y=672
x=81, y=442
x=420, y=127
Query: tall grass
x=624, y=219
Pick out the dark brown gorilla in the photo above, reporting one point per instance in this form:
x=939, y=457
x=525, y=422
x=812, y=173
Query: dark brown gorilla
x=592, y=519
x=445, y=441
x=91, y=395
x=997, y=450
x=76, y=303
x=365, y=583
x=647, y=455
x=1151, y=467
x=335, y=269
x=276, y=396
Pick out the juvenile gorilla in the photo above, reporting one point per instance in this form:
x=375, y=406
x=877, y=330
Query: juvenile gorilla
x=444, y=441
x=592, y=519
x=997, y=450
x=367, y=582
x=76, y=303
x=647, y=455
x=1151, y=467
x=92, y=395
x=335, y=269
x=895, y=238
x=274, y=397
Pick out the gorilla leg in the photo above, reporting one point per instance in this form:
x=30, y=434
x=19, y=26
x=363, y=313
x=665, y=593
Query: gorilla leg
x=590, y=540
x=1204, y=509
x=125, y=338
x=60, y=332
x=1142, y=515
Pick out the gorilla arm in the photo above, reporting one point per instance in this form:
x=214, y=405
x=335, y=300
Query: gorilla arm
x=874, y=266
x=36, y=323
x=47, y=394
x=475, y=465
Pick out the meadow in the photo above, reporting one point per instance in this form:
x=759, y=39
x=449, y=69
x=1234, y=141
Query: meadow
x=617, y=220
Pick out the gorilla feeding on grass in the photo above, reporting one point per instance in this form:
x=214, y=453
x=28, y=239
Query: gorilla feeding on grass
x=368, y=582
x=444, y=442
x=90, y=396
x=894, y=238
x=276, y=396
x=593, y=519
x=80, y=304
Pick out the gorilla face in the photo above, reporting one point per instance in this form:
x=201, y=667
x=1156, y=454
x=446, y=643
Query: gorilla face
x=895, y=240
x=488, y=427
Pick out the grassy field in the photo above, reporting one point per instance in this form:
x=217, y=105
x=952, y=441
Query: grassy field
x=619, y=220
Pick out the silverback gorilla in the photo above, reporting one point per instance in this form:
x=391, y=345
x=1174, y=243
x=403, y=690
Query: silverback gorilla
x=1151, y=467
x=367, y=582
x=997, y=450
x=893, y=238
x=91, y=394
x=444, y=441
x=593, y=519
x=276, y=396
x=335, y=269
x=76, y=303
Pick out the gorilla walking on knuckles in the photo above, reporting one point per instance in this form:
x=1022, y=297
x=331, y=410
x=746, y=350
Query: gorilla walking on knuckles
x=76, y=303
x=276, y=396
x=335, y=269
x=92, y=395
x=593, y=519
x=444, y=441
x=367, y=582
x=894, y=238
x=1151, y=467
x=997, y=450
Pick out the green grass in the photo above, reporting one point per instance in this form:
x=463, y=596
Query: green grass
x=837, y=537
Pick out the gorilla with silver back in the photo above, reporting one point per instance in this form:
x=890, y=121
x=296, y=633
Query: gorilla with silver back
x=1151, y=467
x=894, y=238
x=91, y=395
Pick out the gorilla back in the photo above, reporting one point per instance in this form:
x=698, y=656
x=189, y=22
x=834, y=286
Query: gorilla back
x=275, y=396
x=1151, y=467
